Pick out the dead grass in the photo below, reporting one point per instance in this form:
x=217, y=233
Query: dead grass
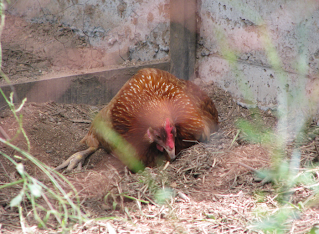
x=211, y=187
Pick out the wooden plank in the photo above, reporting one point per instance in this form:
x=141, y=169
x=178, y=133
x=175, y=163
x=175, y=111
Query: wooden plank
x=183, y=38
x=93, y=88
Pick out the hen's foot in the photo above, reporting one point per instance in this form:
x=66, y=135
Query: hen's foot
x=76, y=159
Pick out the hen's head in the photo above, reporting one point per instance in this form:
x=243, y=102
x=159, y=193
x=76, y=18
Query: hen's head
x=164, y=137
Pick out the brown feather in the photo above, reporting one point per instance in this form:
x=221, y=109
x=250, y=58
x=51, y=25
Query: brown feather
x=145, y=102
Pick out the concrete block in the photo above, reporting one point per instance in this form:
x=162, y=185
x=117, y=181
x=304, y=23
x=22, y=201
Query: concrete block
x=238, y=28
x=137, y=29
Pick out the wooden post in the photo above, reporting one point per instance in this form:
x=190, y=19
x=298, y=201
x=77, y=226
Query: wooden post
x=183, y=38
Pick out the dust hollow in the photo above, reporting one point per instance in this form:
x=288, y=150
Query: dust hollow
x=221, y=166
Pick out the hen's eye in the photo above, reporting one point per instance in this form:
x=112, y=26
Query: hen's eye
x=173, y=131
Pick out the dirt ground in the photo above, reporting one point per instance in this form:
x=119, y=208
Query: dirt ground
x=214, y=183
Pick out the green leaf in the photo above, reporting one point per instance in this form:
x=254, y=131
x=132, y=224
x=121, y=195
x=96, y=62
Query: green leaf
x=210, y=216
x=35, y=189
x=255, y=132
x=20, y=168
x=114, y=205
x=314, y=230
x=17, y=200
x=162, y=195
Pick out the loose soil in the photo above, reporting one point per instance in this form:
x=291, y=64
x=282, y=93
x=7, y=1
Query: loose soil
x=214, y=186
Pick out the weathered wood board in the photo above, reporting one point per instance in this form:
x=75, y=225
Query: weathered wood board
x=92, y=88
x=183, y=38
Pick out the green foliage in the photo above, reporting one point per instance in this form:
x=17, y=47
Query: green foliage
x=163, y=195
x=67, y=210
x=277, y=223
x=32, y=189
x=156, y=185
x=121, y=148
x=285, y=173
x=314, y=230
x=255, y=132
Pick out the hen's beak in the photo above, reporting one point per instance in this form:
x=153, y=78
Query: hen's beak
x=170, y=152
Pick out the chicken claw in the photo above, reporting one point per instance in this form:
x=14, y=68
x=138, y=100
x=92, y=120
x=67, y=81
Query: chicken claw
x=76, y=159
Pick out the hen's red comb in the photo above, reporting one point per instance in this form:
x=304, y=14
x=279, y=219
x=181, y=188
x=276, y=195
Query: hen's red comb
x=170, y=138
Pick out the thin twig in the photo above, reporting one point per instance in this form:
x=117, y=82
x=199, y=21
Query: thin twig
x=3, y=132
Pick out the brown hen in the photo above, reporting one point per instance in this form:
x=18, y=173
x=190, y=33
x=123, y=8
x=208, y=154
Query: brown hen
x=156, y=113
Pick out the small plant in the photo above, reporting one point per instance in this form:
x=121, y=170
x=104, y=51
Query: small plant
x=286, y=173
x=32, y=189
x=56, y=202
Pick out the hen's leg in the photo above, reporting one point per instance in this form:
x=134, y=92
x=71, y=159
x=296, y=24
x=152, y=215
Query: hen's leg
x=76, y=159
